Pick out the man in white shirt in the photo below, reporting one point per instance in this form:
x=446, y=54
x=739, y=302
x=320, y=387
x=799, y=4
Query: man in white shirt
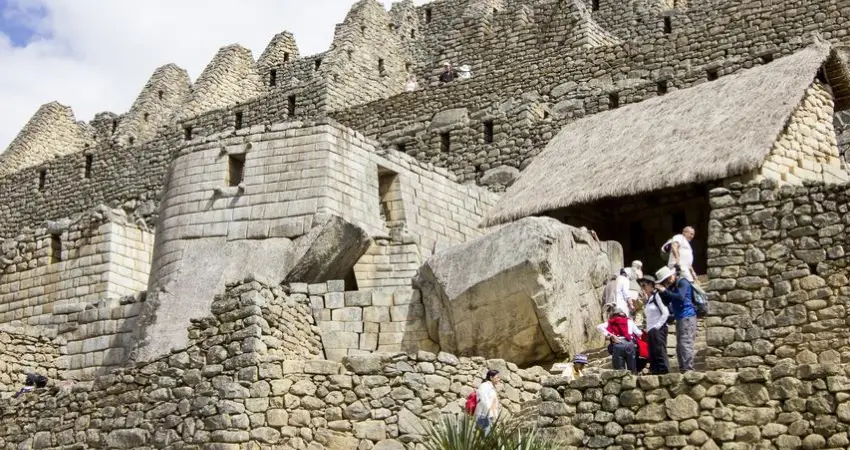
x=657, y=314
x=624, y=300
x=682, y=254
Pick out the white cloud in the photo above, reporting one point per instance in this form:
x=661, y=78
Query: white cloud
x=95, y=55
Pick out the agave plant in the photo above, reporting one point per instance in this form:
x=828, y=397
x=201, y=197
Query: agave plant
x=461, y=433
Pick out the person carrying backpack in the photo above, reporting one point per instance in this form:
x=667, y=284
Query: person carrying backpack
x=677, y=293
x=487, y=408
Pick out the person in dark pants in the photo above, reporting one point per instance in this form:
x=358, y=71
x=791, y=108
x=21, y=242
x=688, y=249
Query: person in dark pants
x=678, y=295
x=622, y=333
x=656, y=326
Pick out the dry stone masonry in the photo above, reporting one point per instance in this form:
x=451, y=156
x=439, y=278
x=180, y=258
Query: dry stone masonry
x=288, y=252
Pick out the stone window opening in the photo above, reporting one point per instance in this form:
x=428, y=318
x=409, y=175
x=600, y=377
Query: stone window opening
x=286, y=57
x=318, y=63
x=767, y=58
x=668, y=25
x=389, y=194
x=363, y=30
x=813, y=268
x=488, y=131
x=350, y=54
x=613, y=100
x=381, y=69
x=662, y=87
x=273, y=77
x=55, y=249
x=594, y=5
x=146, y=117
x=238, y=120
x=160, y=94
x=712, y=74
x=290, y=105
x=42, y=179
x=401, y=148
x=187, y=133
x=235, y=169
x=114, y=125
x=428, y=15
x=412, y=34
x=545, y=115
x=445, y=142
x=131, y=140
x=89, y=162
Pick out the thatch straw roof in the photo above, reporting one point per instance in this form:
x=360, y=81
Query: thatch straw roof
x=708, y=132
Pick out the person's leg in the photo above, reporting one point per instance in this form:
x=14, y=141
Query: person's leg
x=657, y=349
x=631, y=356
x=665, y=358
x=686, y=330
x=618, y=357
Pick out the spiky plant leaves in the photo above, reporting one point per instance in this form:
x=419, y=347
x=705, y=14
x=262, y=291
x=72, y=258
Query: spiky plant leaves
x=461, y=433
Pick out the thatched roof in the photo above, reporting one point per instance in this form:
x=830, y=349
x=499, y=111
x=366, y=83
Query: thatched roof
x=708, y=132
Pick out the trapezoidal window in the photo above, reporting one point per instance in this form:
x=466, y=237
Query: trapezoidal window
x=668, y=25
x=187, y=133
x=89, y=163
x=290, y=105
x=317, y=64
x=401, y=148
x=594, y=5
x=285, y=57
x=445, y=142
x=131, y=140
x=273, y=77
x=488, y=132
x=613, y=100
x=238, y=120
x=661, y=87
x=412, y=34
x=381, y=69
x=235, y=169
x=428, y=15
x=767, y=58
x=55, y=249
x=146, y=117
x=712, y=74
x=114, y=125
x=160, y=95
x=42, y=178
x=389, y=194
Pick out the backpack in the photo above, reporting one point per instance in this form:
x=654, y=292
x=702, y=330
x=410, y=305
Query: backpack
x=700, y=300
x=471, y=403
x=666, y=248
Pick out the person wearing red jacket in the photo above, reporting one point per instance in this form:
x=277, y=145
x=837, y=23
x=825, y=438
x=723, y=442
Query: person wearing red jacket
x=623, y=334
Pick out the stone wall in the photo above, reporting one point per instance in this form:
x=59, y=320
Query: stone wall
x=807, y=149
x=777, y=266
x=25, y=350
x=254, y=376
x=50, y=271
x=787, y=407
x=362, y=322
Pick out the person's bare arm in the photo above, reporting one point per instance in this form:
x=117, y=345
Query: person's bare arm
x=675, y=249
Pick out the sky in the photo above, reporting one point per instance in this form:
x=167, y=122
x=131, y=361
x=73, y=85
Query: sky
x=95, y=55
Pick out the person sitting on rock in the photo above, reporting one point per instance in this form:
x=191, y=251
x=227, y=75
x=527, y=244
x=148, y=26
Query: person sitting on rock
x=448, y=74
x=488, y=408
x=622, y=334
x=579, y=363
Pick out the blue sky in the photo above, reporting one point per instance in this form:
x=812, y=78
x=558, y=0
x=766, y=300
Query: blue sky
x=95, y=55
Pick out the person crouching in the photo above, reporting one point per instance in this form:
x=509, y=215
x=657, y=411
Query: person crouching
x=622, y=333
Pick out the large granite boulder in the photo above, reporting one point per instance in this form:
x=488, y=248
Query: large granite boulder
x=527, y=292
x=328, y=251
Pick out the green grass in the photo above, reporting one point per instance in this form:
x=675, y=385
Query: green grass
x=461, y=433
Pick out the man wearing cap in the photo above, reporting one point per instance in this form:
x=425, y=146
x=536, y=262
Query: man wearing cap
x=677, y=293
x=656, y=326
x=448, y=74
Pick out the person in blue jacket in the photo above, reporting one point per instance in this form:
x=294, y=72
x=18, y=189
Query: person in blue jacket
x=677, y=293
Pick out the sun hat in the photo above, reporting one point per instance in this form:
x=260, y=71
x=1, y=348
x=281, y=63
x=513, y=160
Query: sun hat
x=580, y=359
x=664, y=273
x=464, y=68
x=647, y=279
x=618, y=312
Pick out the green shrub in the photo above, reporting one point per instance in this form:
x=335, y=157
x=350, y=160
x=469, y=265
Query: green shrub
x=461, y=433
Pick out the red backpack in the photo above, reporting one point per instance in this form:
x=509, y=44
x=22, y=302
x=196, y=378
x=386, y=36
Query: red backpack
x=471, y=403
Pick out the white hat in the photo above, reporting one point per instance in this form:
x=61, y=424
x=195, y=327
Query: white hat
x=637, y=263
x=464, y=68
x=664, y=273
x=446, y=64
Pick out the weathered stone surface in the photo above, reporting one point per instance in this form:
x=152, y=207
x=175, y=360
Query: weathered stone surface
x=328, y=251
x=132, y=438
x=503, y=175
x=537, y=281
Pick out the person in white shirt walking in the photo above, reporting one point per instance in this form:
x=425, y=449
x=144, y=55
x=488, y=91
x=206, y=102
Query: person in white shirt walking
x=624, y=300
x=488, y=408
x=657, y=314
x=682, y=254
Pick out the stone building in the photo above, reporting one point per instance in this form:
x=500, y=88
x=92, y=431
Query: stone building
x=287, y=252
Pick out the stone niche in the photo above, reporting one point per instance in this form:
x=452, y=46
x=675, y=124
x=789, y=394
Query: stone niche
x=529, y=292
